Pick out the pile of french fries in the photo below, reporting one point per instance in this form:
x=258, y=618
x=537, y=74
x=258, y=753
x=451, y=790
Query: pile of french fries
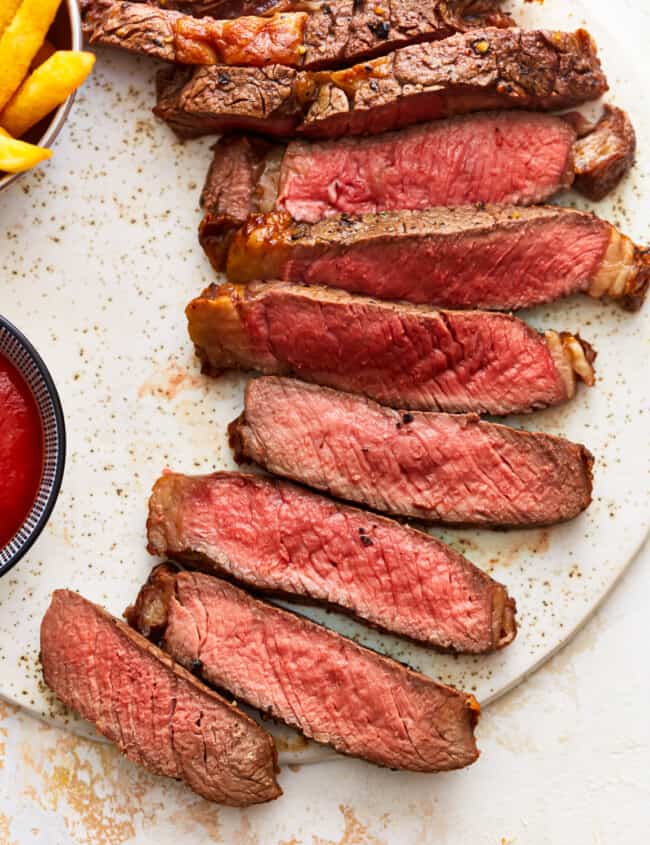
x=35, y=78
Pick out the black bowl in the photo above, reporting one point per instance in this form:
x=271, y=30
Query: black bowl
x=15, y=346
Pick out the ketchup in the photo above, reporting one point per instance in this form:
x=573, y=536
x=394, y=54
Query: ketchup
x=21, y=450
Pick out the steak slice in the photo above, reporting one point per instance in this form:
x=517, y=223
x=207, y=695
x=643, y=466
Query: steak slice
x=327, y=686
x=277, y=538
x=500, y=258
x=436, y=467
x=504, y=157
x=401, y=355
x=488, y=68
x=158, y=714
x=330, y=34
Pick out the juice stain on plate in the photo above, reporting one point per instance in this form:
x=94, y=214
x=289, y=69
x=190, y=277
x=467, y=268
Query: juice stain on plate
x=21, y=450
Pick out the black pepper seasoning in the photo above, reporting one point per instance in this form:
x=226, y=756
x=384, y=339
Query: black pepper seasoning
x=380, y=29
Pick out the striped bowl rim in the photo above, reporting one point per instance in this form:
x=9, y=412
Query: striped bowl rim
x=15, y=346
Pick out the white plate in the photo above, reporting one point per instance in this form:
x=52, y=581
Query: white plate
x=100, y=257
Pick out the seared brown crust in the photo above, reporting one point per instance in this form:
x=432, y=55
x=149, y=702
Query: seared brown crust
x=327, y=35
x=252, y=253
x=211, y=100
x=175, y=37
x=636, y=293
x=261, y=248
x=344, y=31
x=605, y=154
x=232, y=192
x=148, y=616
x=215, y=236
x=487, y=68
x=161, y=544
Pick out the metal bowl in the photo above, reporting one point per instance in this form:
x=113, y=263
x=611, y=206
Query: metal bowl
x=65, y=34
x=15, y=346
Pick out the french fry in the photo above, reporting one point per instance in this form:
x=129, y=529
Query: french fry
x=46, y=50
x=16, y=156
x=8, y=9
x=45, y=89
x=20, y=42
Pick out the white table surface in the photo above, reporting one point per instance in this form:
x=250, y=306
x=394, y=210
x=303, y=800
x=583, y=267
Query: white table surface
x=565, y=757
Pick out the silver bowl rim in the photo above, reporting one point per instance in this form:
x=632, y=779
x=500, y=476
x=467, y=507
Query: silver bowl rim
x=61, y=114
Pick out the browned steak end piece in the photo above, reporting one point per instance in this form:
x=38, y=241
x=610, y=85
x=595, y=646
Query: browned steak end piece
x=605, y=154
x=500, y=257
x=220, y=98
x=407, y=356
x=236, y=186
x=437, y=467
x=487, y=69
x=137, y=27
x=278, y=538
x=490, y=68
x=327, y=686
x=158, y=714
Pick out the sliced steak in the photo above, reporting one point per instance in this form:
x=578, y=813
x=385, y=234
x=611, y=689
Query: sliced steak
x=497, y=157
x=447, y=468
x=330, y=34
x=401, y=355
x=521, y=158
x=158, y=714
x=486, y=69
x=277, y=538
x=501, y=157
x=327, y=686
x=500, y=258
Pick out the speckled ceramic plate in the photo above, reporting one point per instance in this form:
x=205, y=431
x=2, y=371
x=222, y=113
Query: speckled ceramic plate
x=100, y=257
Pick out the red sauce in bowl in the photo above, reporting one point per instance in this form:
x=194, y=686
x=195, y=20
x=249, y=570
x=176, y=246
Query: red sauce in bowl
x=21, y=450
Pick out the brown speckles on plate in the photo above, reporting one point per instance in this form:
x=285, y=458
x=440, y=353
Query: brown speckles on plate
x=100, y=258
